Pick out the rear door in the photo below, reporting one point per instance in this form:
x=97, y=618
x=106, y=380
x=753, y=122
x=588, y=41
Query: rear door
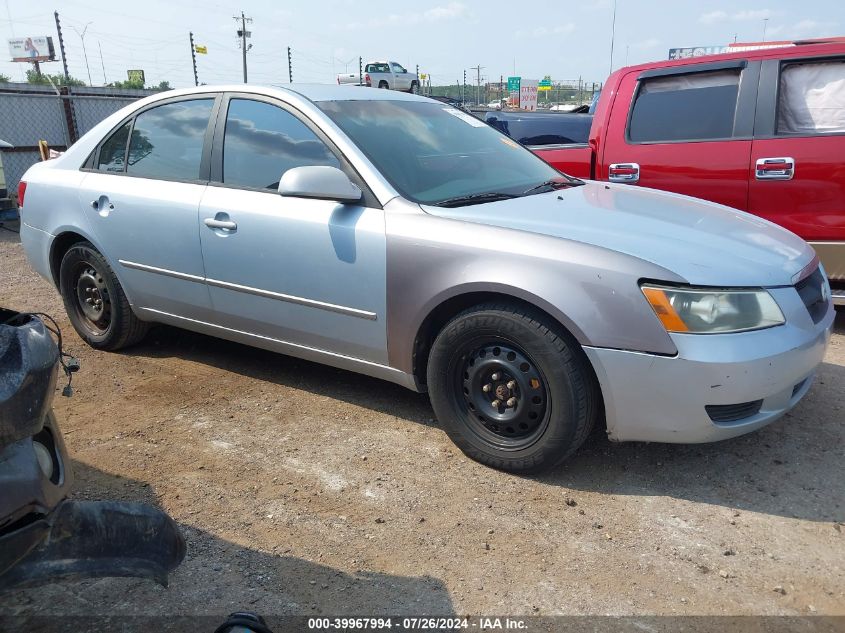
x=300, y=271
x=797, y=160
x=141, y=196
x=685, y=129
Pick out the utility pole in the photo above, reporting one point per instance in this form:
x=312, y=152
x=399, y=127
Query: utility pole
x=765, y=24
x=194, y=58
x=61, y=43
x=102, y=63
x=478, y=70
x=243, y=34
x=290, y=68
x=464, y=89
x=360, y=71
x=84, y=52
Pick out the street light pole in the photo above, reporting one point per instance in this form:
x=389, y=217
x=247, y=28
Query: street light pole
x=612, y=36
x=84, y=52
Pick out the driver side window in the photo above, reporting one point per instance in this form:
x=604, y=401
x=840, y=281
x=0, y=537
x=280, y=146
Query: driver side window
x=262, y=141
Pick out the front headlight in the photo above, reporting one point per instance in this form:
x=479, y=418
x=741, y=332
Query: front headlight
x=712, y=311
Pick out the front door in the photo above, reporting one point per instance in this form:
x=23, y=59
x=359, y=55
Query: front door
x=142, y=199
x=302, y=271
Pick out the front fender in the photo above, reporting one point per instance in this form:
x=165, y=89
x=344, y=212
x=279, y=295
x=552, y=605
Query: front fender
x=592, y=291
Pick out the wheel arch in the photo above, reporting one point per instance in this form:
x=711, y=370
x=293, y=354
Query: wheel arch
x=449, y=307
x=65, y=238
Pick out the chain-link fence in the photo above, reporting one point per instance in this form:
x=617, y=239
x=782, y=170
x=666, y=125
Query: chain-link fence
x=566, y=92
x=31, y=113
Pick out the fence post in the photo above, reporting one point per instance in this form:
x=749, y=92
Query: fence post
x=70, y=120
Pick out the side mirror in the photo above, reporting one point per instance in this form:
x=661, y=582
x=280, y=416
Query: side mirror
x=317, y=181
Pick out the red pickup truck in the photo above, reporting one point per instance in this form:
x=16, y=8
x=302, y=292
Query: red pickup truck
x=758, y=130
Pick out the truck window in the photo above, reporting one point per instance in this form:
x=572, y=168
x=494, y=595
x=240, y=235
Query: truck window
x=693, y=107
x=811, y=98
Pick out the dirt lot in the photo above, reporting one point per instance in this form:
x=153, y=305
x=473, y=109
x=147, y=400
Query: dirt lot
x=306, y=490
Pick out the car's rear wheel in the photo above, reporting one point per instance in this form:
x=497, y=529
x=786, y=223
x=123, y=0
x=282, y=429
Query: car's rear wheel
x=510, y=388
x=383, y=84
x=95, y=301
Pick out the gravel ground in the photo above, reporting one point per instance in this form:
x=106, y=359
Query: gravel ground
x=303, y=489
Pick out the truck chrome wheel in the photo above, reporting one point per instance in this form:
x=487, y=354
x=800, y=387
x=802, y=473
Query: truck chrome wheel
x=92, y=297
x=504, y=392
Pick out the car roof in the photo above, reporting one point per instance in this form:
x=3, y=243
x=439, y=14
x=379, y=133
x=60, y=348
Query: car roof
x=753, y=50
x=312, y=92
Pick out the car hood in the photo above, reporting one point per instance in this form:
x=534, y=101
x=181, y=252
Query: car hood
x=705, y=243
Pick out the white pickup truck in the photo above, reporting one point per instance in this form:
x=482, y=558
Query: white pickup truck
x=383, y=74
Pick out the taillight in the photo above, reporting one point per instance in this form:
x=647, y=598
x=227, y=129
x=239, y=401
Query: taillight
x=21, y=192
x=367, y=80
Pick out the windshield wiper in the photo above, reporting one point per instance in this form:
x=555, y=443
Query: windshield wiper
x=555, y=183
x=475, y=198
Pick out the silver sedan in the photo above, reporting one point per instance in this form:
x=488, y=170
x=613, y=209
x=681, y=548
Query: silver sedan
x=399, y=237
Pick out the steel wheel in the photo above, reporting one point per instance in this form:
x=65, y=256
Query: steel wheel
x=504, y=393
x=93, y=301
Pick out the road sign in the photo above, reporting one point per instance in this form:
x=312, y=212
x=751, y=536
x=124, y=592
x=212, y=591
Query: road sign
x=201, y=50
x=545, y=84
x=135, y=76
x=513, y=84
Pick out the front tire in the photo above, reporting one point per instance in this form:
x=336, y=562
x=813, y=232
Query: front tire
x=415, y=88
x=95, y=302
x=510, y=388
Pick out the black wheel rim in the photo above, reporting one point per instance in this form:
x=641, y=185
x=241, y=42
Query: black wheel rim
x=92, y=299
x=502, y=392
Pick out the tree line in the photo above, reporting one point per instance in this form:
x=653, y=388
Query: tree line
x=45, y=79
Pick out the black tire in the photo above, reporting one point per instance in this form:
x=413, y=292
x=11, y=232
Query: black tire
x=95, y=302
x=537, y=366
x=383, y=84
x=415, y=88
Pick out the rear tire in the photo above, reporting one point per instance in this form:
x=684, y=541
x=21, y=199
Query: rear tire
x=519, y=360
x=95, y=302
x=383, y=85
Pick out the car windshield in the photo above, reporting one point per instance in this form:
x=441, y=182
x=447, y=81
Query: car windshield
x=434, y=154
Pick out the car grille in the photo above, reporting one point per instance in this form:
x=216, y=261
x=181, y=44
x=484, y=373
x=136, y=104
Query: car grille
x=721, y=413
x=811, y=291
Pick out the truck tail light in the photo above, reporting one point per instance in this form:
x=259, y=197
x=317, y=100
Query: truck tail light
x=21, y=193
x=367, y=80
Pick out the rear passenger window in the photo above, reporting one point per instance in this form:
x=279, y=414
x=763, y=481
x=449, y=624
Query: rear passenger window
x=167, y=140
x=693, y=107
x=811, y=98
x=113, y=151
x=263, y=141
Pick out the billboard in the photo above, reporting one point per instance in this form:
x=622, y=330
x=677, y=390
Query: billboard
x=32, y=49
x=136, y=76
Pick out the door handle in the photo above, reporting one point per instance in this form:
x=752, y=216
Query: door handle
x=781, y=168
x=226, y=225
x=623, y=172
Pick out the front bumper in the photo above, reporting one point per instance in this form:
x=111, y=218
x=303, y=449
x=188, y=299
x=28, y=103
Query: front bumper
x=662, y=399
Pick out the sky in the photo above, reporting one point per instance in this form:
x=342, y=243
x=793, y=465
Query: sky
x=563, y=39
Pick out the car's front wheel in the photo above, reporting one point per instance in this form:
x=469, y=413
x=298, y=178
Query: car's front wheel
x=95, y=302
x=510, y=388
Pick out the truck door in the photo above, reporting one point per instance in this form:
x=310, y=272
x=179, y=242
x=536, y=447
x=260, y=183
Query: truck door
x=401, y=81
x=688, y=130
x=797, y=173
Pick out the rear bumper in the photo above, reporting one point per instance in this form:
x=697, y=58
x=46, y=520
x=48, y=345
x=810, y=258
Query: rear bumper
x=663, y=399
x=36, y=246
x=832, y=257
